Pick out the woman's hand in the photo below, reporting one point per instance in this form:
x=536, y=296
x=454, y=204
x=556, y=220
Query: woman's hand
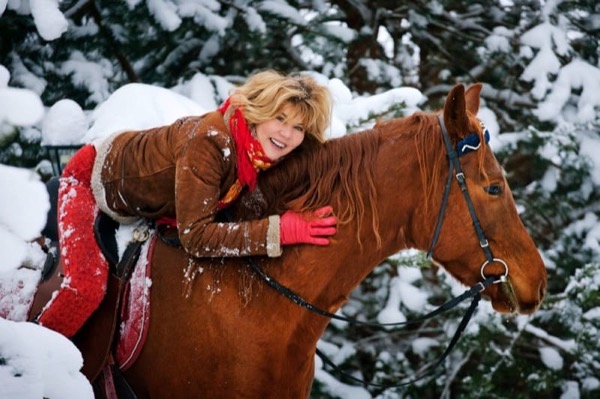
x=307, y=228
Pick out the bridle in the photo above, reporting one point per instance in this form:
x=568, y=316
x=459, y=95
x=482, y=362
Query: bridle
x=470, y=143
x=463, y=147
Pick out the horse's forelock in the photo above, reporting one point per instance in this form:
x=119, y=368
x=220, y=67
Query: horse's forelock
x=477, y=127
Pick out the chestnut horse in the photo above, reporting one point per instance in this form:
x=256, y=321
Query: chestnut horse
x=217, y=331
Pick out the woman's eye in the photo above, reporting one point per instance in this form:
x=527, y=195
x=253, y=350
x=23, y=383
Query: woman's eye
x=494, y=189
x=299, y=128
x=280, y=118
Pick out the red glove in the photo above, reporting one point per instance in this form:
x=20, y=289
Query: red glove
x=297, y=228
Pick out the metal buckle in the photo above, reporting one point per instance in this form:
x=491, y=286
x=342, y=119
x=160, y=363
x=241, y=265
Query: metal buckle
x=141, y=234
x=479, y=286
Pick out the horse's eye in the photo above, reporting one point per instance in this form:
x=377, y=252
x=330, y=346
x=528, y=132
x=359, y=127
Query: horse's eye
x=494, y=189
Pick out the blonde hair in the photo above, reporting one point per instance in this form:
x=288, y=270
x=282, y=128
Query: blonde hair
x=264, y=96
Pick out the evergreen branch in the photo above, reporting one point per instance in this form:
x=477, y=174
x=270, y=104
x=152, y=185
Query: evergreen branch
x=112, y=43
x=294, y=54
x=446, y=393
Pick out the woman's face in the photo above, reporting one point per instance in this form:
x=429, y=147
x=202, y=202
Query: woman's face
x=280, y=136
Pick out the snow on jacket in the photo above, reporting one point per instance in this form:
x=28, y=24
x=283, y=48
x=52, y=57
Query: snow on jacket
x=180, y=171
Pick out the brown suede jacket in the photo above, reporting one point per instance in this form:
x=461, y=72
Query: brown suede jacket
x=180, y=171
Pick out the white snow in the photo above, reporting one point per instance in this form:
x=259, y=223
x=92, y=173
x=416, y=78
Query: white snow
x=139, y=106
x=18, y=107
x=50, y=22
x=64, y=123
x=551, y=358
x=39, y=363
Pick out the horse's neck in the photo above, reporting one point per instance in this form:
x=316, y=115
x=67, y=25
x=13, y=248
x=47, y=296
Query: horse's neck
x=380, y=160
x=327, y=275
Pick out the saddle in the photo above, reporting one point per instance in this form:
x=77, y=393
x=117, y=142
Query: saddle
x=96, y=340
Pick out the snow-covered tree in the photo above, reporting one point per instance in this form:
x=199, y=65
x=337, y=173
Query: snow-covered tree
x=539, y=61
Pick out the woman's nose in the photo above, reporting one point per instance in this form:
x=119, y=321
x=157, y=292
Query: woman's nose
x=286, y=131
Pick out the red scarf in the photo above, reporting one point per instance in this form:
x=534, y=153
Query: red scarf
x=250, y=159
x=250, y=155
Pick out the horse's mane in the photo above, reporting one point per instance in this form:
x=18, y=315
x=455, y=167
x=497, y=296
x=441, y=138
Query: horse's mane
x=430, y=162
x=338, y=173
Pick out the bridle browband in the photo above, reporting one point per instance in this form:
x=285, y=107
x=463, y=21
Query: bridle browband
x=470, y=143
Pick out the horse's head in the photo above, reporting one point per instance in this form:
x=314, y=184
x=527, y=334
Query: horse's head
x=461, y=250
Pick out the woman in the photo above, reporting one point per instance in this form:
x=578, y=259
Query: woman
x=186, y=172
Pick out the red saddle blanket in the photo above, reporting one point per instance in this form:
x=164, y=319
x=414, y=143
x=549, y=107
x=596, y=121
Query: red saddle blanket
x=135, y=309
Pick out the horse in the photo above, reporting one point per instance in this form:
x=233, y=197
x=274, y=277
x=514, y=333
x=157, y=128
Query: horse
x=218, y=331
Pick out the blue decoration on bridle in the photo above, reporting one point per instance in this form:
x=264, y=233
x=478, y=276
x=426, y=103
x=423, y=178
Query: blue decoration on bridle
x=471, y=142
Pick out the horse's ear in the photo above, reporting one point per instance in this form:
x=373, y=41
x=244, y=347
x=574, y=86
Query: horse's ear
x=472, y=97
x=455, y=113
